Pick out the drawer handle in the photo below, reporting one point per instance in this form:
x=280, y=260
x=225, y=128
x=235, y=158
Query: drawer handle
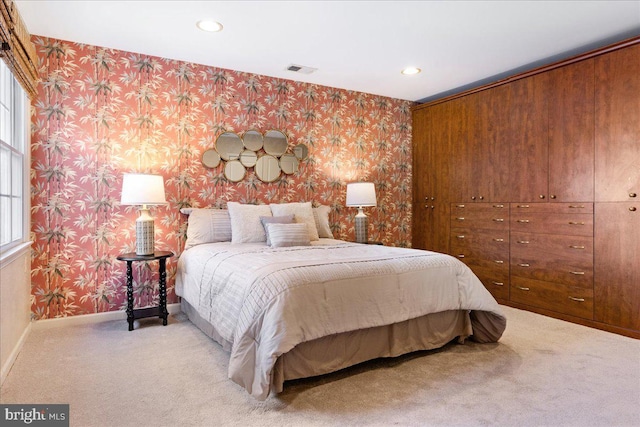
x=633, y=195
x=498, y=219
x=498, y=283
x=523, y=221
x=576, y=206
x=523, y=289
x=575, y=223
x=576, y=247
x=499, y=261
x=498, y=206
x=498, y=240
x=523, y=206
x=576, y=299
x=459, y=206
x=461, y=256
x=577, y=273
x=524, y=264
x=460, y=218
x=523, y=242
x=460, y=237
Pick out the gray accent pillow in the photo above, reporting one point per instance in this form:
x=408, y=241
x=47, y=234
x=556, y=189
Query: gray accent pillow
x=284, y=219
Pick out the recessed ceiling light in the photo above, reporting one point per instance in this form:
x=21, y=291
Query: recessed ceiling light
x=210, y=26
x=411, y=70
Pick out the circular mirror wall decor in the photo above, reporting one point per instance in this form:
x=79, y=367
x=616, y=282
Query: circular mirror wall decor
x=229, y=146
x=211, y=158
x=301, y=151
x=275, y=143
x=289, y=163
x=267, y=168
x=234, y=171
x=252, y=140
x=248, y=158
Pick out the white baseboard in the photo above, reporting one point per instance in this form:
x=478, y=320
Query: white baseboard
x=14, y=354
x=85, y=319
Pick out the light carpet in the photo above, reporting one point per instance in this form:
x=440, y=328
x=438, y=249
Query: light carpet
x=543, y=372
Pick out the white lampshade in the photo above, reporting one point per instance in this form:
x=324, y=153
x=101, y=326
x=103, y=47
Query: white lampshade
x=360, y=194
x=142, y=189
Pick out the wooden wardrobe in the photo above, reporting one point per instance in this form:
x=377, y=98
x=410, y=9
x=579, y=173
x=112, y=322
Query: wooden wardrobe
x=533, y=182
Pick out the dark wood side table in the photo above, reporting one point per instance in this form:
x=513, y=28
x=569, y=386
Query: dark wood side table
x=161, y=310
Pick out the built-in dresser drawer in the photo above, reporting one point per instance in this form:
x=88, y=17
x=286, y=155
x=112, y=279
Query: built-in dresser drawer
x=480, y=216
x=566, y=208
x=550, y=223
x=571, y=300
x=496, y=280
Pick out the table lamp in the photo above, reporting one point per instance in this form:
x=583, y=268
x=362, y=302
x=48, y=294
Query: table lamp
x=361, y=194
x=143, y=189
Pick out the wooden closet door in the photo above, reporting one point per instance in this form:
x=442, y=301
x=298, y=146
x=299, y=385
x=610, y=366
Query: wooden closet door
x=431, y=141
x=571, y=133
x=492, y=151
x=617, y=136
x=616, y=272
x=528, y=134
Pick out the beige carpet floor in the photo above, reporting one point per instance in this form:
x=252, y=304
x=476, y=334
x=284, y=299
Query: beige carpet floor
x=544, y=372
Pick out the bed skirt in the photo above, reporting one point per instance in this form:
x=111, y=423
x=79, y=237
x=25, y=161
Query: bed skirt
x=335, y=352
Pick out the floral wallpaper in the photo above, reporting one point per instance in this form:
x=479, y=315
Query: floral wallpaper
x=103, y=112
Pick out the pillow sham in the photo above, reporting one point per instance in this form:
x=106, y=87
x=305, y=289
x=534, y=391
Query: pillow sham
x=303, y=214
x=321, y=217
x=286, y=219
x=284, y=235
x=207, y=226
x=245, y=222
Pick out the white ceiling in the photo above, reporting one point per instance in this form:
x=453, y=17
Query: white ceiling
x=357, y=45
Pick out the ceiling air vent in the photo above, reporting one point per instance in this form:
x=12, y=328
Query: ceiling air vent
x=301, y=69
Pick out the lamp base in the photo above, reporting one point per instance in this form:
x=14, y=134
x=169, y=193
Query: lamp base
x=362, y=228
x=145, y=233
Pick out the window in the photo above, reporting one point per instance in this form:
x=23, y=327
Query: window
x=13, y=160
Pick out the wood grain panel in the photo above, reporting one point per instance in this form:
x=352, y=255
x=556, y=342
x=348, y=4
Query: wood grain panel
x=617, y=125
x=528, y=135
x=555, y=208
x=617, y=272
x=571, y=132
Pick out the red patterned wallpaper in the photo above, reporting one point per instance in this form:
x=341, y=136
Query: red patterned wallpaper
x=102, y=112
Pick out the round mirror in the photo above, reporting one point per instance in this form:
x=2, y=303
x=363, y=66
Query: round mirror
x=301, y=151
x=248, y=158
x=267, y=168
x=211, y=158
x=252, y=140
x=229, y=146
x=275, y=143
x=289, y=163
x=234, y=171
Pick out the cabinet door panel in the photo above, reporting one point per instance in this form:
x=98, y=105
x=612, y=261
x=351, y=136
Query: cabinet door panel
x=528, y=135
x=616, y=275
x=617, y=135
x=571, y=133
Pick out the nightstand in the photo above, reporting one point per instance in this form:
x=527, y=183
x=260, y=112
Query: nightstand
x=161, y=310
x=371, y=243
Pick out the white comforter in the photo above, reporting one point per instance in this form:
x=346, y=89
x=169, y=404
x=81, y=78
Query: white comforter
x=264, y=301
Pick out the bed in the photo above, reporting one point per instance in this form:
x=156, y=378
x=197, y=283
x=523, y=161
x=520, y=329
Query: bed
x=294, y=311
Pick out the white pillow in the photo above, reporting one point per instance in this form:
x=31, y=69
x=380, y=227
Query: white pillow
x=321, y=216
x=283, y=235
x=303, y=214
x=207, y=226
x=245, y=222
